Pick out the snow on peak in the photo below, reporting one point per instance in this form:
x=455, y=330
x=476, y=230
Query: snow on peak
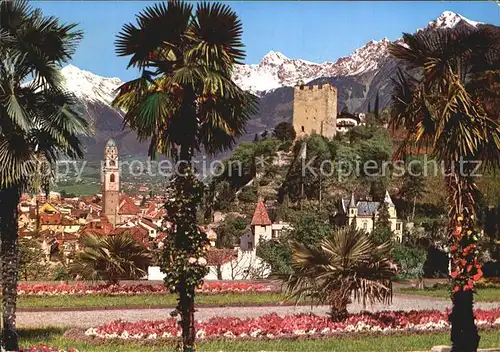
x=449, y=19
x=88, y=86
x=273, y=58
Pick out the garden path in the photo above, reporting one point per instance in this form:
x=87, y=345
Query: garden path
x=85, y=319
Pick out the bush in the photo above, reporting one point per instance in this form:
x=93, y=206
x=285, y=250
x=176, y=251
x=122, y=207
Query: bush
x=61, y=273
x=285, y=146
x=410, y=259
x=248, y=194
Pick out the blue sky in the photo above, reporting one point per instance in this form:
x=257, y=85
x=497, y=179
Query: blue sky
x=314, y=31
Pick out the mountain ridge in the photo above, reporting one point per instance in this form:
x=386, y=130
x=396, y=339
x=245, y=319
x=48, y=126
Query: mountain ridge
x=358, y=78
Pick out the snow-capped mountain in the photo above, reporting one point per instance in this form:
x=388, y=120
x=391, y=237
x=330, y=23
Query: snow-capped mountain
x=90, y=87
x=450, y=19
x=358, y=77
x=276, y=70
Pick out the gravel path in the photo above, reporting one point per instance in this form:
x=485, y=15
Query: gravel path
x=85, y=319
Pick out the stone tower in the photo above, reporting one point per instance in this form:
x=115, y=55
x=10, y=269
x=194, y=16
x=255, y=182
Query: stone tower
x=111, y=181
x=315, y=110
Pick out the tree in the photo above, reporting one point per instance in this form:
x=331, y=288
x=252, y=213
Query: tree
x=110, y=258
x=369, y=107
x=32, y=260
x=345, y=264
x=37, y=125
x=438, y=101
x=413, y=187
x=225, y=195
x=383, y=216
x=376, y=110
x=284, y=131
x=248, y=194
x=308, y=229
x=230, y=231
x=217, y=257
x=256, y=137
x=184, y=101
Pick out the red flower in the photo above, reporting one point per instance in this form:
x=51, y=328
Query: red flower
x=456, y=289
x=454, y=275
x=478, y=275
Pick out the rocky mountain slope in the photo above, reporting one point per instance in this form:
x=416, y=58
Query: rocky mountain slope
x=358, y=77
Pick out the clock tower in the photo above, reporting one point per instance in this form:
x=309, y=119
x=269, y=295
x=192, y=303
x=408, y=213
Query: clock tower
x=111, y=182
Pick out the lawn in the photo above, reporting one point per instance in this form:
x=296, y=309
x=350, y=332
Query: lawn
x=151, y=300
x=54, y=337
x=483, y=295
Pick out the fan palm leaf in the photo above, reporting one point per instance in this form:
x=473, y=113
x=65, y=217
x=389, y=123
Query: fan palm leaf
x=346, y=264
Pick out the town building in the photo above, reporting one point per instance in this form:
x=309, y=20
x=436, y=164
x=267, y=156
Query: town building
x=346, y=121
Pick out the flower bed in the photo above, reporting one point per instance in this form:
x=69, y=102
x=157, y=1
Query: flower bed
x=45, y=348
x=142, y=289
x=274, y=326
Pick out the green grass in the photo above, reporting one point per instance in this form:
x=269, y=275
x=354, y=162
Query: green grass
x=483, y=295
x=158, y=300
x=80, y=189
x=54, y=337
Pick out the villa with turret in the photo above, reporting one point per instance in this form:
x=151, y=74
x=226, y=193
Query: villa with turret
x=364, y=214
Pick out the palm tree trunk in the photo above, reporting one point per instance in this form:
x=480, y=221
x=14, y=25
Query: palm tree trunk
x=464, y=334
x=9, y=200
x=338, y=308
x=464, y=255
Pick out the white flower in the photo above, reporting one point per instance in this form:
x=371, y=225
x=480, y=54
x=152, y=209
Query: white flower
x=202, y=261
x=255, y=333
x=200, y=334
x=191, y=260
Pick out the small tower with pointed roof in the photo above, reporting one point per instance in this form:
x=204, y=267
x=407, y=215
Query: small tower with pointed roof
x=111, y=182
x=352, y=209
x=261, y=227
x=391, y=208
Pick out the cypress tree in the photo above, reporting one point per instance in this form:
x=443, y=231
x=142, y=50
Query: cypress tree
x=376, y=109
x=369, y=106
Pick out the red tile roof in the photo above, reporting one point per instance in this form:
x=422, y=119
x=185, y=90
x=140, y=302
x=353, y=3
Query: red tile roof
x=138, y=233
x=127, y=206
x=50, y=219
x=99, y=227
x=260, y=216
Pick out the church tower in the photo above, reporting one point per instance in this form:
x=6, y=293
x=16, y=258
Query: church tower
x=111, y=182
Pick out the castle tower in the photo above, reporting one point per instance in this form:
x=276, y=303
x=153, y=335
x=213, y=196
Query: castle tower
x=315, y=110
x=111, y=182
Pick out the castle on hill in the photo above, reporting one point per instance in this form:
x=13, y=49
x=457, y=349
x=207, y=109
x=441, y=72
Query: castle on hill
x=315, y=111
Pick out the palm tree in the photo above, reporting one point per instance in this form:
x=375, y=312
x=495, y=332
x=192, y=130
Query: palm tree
x=110, y=258
x=183, y=102
x=447, y=101
x=37, y=124
x=345, y=264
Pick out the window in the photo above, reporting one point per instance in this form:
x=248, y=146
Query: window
x=398, y=226
x=302, y=128
x=112, y=178
x=112, y=163
x=365, y=226
x=250, y=246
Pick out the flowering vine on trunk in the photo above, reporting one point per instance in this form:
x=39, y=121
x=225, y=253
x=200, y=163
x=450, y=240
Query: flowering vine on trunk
x=184, y=261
